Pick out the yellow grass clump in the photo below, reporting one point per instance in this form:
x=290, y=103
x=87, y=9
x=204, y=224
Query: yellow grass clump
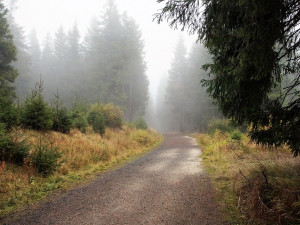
x=256, y=185
x=83, y=155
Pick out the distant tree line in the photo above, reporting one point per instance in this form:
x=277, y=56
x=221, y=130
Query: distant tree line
x=182, y=104
x=106, y=65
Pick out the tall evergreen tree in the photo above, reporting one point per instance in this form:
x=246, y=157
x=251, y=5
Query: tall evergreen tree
x=134, y=78
x=255, y=45
x=59, y=52
x=47, y=67
x=176, y=89
x=8, y=55
x=91, y=61
x=35, y=56
x=73, y=65
x=23, y=81
x=111, y=60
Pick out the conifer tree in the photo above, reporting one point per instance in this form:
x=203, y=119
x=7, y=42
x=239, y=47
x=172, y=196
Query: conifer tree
x=255, y=46
x=47, y=66
x=134, y=77
x=22, y=63
x=8, y=55
x=35, y=56
x=176, y=89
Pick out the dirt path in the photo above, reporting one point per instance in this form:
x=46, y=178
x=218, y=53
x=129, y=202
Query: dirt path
x=168, y=186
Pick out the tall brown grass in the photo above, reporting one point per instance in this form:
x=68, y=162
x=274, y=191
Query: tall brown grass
x=84, y=155
x=256, y=185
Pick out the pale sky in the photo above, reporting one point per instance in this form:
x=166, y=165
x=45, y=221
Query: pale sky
x=160, y=40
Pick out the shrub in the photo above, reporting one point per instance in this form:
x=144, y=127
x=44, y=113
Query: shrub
x=62, y=121
x=236, y=135
x=61, y=117
x=8, y=113
x=79, y=112
x=141, y=124
x=143, y=137
x=96, y=118
x=36, y=113
x=113, y=115
x=13, y=148
x=46, y=157
x=222, y=125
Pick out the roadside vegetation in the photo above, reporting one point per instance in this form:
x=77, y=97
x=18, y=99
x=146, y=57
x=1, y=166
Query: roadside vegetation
x=56, y=161
x=256, y=185
x=46, y=146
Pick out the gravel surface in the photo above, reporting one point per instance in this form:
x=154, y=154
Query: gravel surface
x=167, y=186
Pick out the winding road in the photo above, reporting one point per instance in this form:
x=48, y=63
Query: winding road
x=167, y=186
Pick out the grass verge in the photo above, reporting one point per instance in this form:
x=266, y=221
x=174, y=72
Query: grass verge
x=255, y=185
x=84, y=156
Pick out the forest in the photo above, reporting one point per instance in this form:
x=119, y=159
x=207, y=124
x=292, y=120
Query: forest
x=77, y=103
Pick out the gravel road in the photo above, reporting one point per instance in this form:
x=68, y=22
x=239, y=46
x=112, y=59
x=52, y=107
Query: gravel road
x=167, y=186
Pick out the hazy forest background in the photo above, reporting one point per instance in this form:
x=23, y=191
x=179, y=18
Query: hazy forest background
x=107, y=64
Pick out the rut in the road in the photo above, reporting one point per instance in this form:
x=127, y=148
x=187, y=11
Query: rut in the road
x=167, y=186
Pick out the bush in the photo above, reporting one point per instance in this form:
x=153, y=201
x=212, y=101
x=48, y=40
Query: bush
x=96, y=118
x=8, y=113
x=222, y=125
x=36, y=114
x=141, y=124
x=113, y=115
x=62, y=121
x=46, y=157
x=99, y=124
x=12, y=148
x=236, y=135
x=61, y=117
x=79, y=112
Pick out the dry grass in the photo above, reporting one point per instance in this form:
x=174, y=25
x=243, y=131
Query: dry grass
x=256, y=185
x=84, y=155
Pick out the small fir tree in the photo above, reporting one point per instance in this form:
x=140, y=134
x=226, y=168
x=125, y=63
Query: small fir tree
x=61, y=117
x=36, y=113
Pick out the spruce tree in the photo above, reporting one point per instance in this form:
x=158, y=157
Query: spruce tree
x=8, y=51
x=23, y=81
x=36, y=113
x=35, y=54
x=133, y=70
x=255, y=46
x=176, y=89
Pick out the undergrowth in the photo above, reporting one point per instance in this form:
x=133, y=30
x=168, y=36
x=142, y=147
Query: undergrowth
x=256, y=185
x=81, y=155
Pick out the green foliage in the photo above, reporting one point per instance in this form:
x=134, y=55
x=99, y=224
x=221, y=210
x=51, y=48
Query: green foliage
x=61, y=117
x=236, y=135
x=79, y=111
x=8, y=55
x=97, y=119
x=8, y=113
x=113, y=115
x=222, y=125
x=141, y=124
x=99, y=124
x=62, y=121
x=12, y=148
x=46, y=157
x=255, y=47
x=36, y=114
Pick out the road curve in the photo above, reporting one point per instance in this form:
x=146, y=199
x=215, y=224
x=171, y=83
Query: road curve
x=167, y=186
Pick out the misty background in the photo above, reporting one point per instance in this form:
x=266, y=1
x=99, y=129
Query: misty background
x=112, y=51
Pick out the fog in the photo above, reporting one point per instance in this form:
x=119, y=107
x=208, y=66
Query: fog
x=112, y=51
x=46, y=16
